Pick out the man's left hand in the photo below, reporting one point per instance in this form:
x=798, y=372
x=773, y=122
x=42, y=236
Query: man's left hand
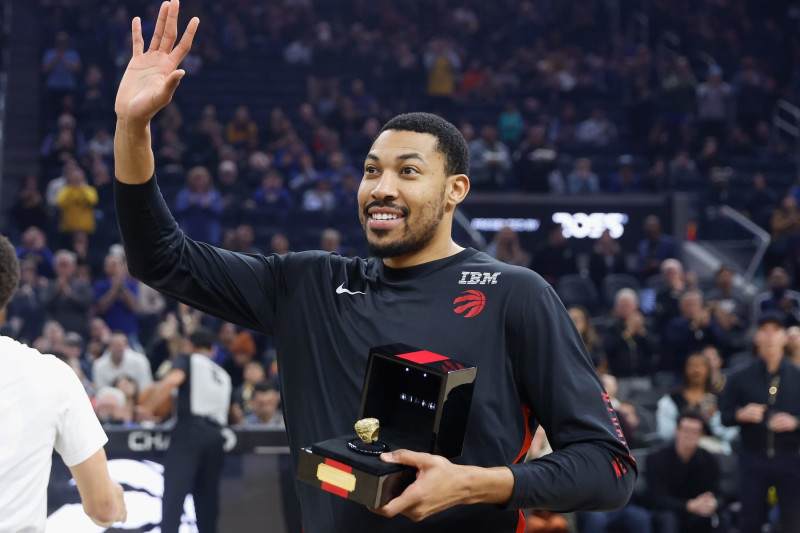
x=782, y=423
x=439, y=486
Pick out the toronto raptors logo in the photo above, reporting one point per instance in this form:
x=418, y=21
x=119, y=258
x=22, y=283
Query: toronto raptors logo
x=470, y=304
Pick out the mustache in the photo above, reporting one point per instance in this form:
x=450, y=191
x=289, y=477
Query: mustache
x=386, y=205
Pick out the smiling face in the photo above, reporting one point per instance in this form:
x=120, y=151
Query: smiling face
x=406, y=200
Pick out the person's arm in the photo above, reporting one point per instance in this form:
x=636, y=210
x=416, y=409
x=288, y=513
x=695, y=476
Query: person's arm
x=237, y=287
x=107, y=299
x=728, y=403
x=128, y=296
x=79, y=440
x=591, y=468
x=102, y=497
x=666, y=417
x=163, y=389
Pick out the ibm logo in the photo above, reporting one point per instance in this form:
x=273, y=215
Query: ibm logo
x=478, y=278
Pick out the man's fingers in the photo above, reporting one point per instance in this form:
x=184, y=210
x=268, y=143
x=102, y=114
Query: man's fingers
x=171, y=27
x=185, y=44
x=399, y=504
x=160, y=23
x=136, y=36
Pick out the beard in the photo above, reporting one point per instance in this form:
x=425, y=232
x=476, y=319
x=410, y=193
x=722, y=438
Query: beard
x=413, y=239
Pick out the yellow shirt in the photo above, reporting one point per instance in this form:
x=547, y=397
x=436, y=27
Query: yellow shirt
x=77, y=208
x=441, y=79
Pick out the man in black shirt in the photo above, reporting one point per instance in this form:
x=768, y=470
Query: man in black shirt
x=325, y=312
x=763, y=399
x=683, y=480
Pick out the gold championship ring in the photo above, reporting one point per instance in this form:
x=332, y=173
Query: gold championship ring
x=367, y=430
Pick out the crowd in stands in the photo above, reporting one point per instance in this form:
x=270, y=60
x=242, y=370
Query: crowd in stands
x=550, y=100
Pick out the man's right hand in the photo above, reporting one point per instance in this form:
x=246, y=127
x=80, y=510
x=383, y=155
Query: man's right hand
x=752, y=413
x=147, y=86
x=152, y=77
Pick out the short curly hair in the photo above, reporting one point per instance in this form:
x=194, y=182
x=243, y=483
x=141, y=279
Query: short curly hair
x=9, y=271
x=449, y=140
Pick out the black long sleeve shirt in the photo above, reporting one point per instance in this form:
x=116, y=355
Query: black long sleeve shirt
x=752, y=385
x=672, y=482
x=326, y=311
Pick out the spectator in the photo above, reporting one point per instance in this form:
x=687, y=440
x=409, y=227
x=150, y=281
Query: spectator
x=199, y=206
x=714, y=104
x=72, y=351
x=266, y=401
x=279, y=244
x=556, y=257
x=762, y=400
x=242, y=131
x=131, y=391
x=678, y=93
x=65, y=144
x=628, y=344
x=654, y=248
x=26, y=310
x=61, y=65
x=582, y=180
x=778, y=297
x=535, y=164
x=29, y=209
x=116, y=298
x=625, y=180
x=510, y=124
x=694, y=328
x=582, y=319
x=33, y=248
x=505, y=247
x=242, y=349
x=490, y=161
x=597, y=129
x=728, y=305
x=716, y=378
x=683, y=172
x=243, y=396
x=785, y=227
x=606, y=259
x=694, y=394
x=761, y=201
x=330, y=240
x=110, y=407
x=442, y=63
x=683, y=480
x=118, y=360
x=66, y=298
x=272, y=196
x=320, y=198
x=76, y=202
x=671, y=287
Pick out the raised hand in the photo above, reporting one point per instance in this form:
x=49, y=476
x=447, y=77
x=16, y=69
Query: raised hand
x=152, y=77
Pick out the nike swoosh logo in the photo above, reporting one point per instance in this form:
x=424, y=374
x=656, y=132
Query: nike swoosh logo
x=341, y=290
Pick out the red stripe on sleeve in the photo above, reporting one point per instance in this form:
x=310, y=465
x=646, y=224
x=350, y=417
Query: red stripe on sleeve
x=526, y=443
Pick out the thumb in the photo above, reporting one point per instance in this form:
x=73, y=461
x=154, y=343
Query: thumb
x=404, y=457
x=172, y=82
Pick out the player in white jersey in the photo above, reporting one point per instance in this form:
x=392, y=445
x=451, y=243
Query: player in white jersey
x=43, y=406
x=194, y=458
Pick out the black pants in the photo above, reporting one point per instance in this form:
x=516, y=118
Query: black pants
x=192, y=465
x=757, y=473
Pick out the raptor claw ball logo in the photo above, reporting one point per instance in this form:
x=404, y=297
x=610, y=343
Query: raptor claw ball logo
x=470, y=304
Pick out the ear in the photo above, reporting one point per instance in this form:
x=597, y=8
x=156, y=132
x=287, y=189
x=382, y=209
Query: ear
x=457, y=189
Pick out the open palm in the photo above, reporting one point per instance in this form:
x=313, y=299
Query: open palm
x=152, y=77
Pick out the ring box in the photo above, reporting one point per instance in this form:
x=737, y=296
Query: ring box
x=422, y=400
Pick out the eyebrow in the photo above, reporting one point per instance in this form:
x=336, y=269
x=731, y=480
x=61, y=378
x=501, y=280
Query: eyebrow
x=401, y=157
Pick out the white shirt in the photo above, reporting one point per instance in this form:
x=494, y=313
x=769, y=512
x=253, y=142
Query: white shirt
x=135, y=365
x=42, y=406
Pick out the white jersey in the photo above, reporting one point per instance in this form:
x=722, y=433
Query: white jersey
x=43, y=406
x=206, y=392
